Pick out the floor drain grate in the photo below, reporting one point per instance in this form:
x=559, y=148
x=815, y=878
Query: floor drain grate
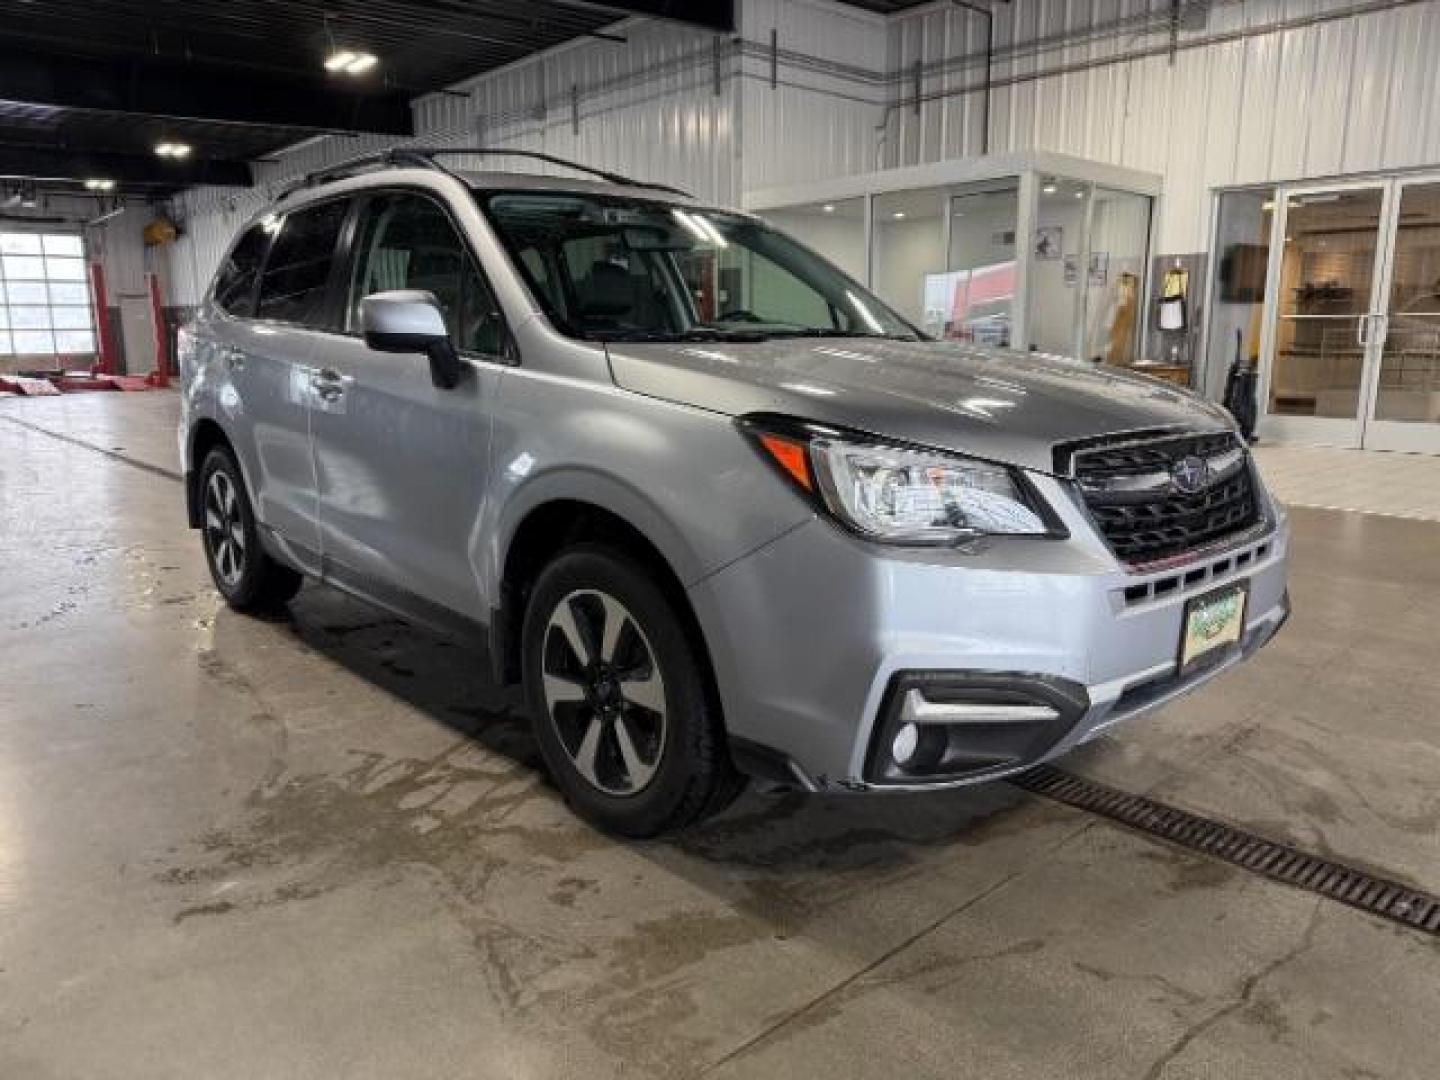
x=1272, y=859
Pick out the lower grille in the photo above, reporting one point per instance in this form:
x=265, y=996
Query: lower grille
x=1163, y=497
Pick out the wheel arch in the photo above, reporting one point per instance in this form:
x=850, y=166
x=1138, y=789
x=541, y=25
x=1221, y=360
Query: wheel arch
x=205, y=435
x=555, y=525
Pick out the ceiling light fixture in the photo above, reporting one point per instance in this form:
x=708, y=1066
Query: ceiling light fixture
x=173, y=149
x=1049, y=188
x=350, y=61
x=99, y=185
x=829, y=208
x=898, y=215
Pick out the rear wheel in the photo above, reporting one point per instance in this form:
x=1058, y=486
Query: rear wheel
x=619, y=698
x=248, y=578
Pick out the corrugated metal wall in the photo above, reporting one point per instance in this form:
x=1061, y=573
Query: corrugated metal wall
x=1210, y=94
x=1253, y=91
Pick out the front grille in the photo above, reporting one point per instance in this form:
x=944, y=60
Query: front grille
x=1131, y=492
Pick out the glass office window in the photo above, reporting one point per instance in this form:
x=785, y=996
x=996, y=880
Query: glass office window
x=834, y=229
x=1057, y=247
x=1115, y=275
x=977, y=292
x=44, y=299
x=908, y=252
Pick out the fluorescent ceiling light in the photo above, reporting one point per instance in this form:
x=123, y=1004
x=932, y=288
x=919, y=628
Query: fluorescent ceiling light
x=829, y=208
x=898, y=215
x=1049, y=187
x=350, y=61
x=99, y=185
x=173, y=149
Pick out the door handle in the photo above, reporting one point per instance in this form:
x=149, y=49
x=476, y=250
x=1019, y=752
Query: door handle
x=1363, y=327
x=328, y=383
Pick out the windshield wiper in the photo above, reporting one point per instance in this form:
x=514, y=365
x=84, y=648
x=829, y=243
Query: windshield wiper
x=698, y=333
x=832, y=332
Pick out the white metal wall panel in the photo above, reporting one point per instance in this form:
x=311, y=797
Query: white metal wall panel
x=1260, y=90
x=822, y=118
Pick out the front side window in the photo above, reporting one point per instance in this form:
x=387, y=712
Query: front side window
x=616, y=269
x=407, y=241
x=292, y=287
x=235, y=284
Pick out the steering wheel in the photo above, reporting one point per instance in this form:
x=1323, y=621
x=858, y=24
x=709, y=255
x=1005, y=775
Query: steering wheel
x=740, y=315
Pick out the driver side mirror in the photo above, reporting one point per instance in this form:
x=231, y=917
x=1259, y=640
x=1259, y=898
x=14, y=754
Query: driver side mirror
x=409, y=321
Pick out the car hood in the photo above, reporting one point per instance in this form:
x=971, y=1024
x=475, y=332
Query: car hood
x=1006, y=406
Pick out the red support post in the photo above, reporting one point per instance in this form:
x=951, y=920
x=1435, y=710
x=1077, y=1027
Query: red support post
x=161, y=376
x=105, y=334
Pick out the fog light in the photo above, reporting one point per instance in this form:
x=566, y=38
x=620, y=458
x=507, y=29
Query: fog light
x=907, y=739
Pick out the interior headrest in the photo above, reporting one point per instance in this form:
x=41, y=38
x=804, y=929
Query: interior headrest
x=607, y=291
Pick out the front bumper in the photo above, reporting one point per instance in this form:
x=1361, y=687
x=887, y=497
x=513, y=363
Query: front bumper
x=811, y=636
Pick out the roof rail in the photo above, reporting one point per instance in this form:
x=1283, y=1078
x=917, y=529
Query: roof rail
x=424, y=157
x=396, y=155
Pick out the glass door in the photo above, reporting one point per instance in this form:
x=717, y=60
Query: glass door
x=1403, y=411
x=977, y=291
x=1323, y=327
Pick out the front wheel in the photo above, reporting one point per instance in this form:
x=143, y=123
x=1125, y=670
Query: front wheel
x=619, y=698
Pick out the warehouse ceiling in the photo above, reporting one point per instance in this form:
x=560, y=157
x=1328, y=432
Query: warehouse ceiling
x=90, y=88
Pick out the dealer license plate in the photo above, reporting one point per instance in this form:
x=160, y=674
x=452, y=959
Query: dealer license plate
x=1212, y=627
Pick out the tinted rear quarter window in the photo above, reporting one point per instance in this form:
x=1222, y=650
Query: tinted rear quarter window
x=235, y=284
x=292, y=288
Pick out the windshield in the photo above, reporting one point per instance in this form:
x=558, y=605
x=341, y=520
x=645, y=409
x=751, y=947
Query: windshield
x=619, y=269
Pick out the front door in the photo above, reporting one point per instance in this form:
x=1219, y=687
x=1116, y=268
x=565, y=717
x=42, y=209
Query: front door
x=1403, y=410
x=1352, y=335
x=401, y=463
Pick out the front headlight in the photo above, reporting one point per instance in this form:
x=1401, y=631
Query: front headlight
x=903, y=496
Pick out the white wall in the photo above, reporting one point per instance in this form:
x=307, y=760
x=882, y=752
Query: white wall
x=1256, y=90
x=840, y=235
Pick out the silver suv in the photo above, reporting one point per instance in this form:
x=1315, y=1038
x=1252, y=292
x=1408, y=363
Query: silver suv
x=721, y=510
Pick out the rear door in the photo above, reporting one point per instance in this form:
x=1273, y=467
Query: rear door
x=400, y=462
x=267, y=356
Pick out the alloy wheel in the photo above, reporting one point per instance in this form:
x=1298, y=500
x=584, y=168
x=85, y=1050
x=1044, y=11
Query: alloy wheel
x=224, y=529
x=604, y=692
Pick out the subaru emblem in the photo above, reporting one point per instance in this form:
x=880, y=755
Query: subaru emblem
x=1190, y=474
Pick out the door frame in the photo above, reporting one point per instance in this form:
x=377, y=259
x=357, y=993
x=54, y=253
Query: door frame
x=1363, y=430
x=1323, y=431
x=1406, y=436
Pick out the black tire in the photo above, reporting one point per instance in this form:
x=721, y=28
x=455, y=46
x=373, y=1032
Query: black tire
x=689, y=774
x=247, y=577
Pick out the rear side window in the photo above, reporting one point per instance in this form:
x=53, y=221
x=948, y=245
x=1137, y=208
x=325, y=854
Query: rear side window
x=292, y=287
x=235, y=284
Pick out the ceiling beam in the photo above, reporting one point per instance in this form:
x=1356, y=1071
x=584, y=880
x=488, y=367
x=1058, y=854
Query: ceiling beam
x=127, y=170
x=181, y=91
x=707, y=14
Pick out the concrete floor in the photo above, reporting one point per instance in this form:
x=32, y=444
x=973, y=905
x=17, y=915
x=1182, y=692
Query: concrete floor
x=319, y=847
